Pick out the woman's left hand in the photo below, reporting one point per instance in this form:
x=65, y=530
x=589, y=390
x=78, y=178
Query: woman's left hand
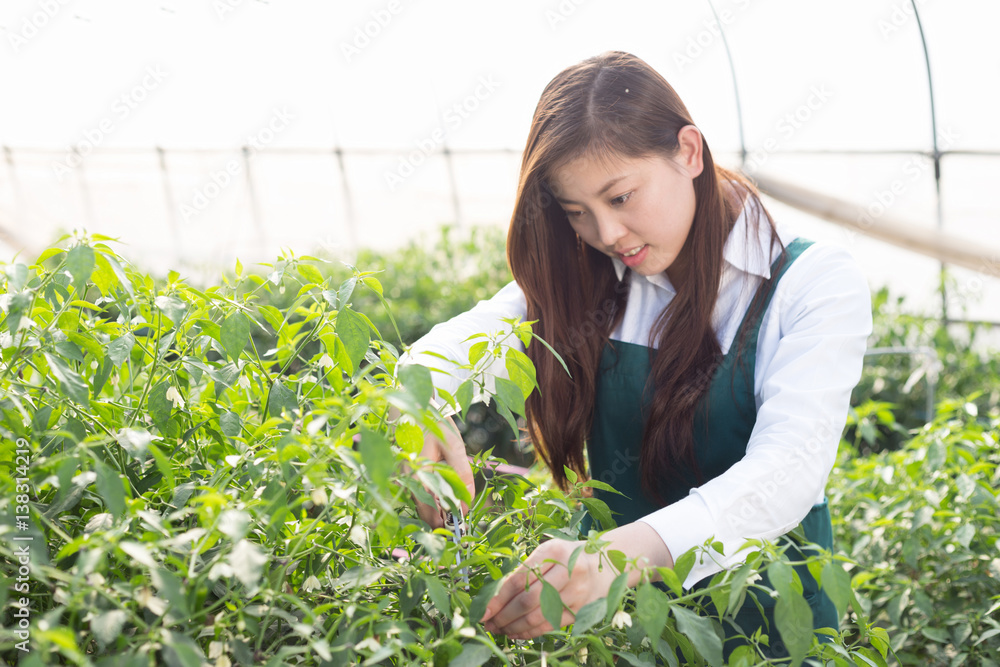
x=516, y=609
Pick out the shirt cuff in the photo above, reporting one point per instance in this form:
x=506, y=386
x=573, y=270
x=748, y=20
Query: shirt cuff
x=687, y=524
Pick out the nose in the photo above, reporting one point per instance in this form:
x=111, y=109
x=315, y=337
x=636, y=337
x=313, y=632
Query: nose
x=610, y=230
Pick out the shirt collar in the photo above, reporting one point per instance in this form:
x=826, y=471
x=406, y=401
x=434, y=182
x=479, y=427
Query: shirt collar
x=741, y=250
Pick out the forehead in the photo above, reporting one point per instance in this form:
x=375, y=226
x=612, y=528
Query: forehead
x=590, y=173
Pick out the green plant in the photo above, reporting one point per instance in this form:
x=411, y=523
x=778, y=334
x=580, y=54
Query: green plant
x=901, y=381
x=922, y=525
x=196, y=475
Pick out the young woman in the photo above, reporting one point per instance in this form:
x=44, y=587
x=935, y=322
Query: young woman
x=712, y=353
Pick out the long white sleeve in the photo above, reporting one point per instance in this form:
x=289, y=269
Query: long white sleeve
x=810, y=354
x=449, y=338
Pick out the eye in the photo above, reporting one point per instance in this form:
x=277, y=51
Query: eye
x=573, y=214
x=621, y=199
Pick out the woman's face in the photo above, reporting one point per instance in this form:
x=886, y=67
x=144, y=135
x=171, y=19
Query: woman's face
x=639, y=210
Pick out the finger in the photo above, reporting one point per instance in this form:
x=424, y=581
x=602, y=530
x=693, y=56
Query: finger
x=515, y=584
x=522, y=593
x=432, y=514
x=522, y=578
x=533, y=624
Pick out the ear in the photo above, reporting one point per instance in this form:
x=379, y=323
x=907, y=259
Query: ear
x=689, y=154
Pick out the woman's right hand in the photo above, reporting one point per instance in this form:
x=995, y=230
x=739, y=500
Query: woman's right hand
x=452, y=452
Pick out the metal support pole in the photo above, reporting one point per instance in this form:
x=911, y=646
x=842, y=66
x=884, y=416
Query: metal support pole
x=254, y=206
x=168, y=194
x=348, y=199
x=930, y=372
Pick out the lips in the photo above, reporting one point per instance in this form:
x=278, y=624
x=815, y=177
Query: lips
x=635, y=256
x=633, y=252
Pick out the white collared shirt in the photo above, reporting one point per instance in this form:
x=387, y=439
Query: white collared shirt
x=810, y=351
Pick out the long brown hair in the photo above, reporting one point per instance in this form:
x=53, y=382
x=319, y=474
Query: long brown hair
x=572, y=289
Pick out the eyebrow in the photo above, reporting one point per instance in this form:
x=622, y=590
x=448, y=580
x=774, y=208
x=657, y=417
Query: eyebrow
x=607, y=186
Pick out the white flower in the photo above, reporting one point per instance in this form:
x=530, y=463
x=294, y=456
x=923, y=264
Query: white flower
x=311, y=584
x=215, y=649
x=318, y=496
x=371, y=644
x=244, y=382
x=581, y=655
x=753, y=578
x=621, y=619
x=325, y=361
x=175, y=396
x=467, y=632
x=223, y=661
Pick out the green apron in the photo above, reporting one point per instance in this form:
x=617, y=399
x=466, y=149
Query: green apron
x=724, y=420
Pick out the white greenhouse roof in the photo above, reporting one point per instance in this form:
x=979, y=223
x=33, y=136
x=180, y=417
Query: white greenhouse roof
x=202, y=132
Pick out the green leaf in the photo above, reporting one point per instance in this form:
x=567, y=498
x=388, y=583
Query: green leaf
x=409, y=437
x=80, y=264
x=701, y=631
x=416, y=379
x=412, y=594
x=354, y=334
x=120, y=348
x=373, y=284
x=589, y=615
x=438, y=595
x=281, y=398
x=672, y=581
x=247, y=561
x=615, y=595
x=600, y=511
x=476, y=351
x=552, y=605
x=107, y=626
x=224, y=377
x=520, y=370
x=510, y=396
x=554, y=353
x=597, y=484
x=794, y=618
x=19, y=304
x=377, y=456
x=939, y=635
x=230, y=423
x=433, y=544
x=70, y=382
x=482, y=600
x=180, y=651
x=273, y=317
x=472, y=655
x=506, y=414
x=644, y=660
x=310, y=273
x=345, y=292
x=110, y=489
x=464, y=396
x=119, y=273
x=172, y=307
x=652, y=610
x=17, y=276
x=159, y=406
x=780, y=574
x=684, y=563
x=235, y=334
x=837, y=586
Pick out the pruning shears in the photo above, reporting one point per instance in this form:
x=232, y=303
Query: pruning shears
x=456, y=524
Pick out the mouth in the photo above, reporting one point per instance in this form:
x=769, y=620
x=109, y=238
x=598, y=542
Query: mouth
x=634, y=257
x=633, y=252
